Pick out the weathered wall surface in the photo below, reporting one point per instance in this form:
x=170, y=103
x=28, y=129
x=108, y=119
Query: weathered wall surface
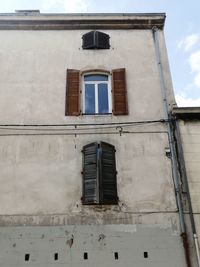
x=41, y=182
x=190, y=134
x=33, y=73
x=41, y=173
x=91, y=245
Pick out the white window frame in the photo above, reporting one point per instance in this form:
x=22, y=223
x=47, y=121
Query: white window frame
x=96, y=83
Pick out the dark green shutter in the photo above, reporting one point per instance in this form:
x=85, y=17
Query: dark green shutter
x=96, y=40
x=107, y=174
x=90, y=174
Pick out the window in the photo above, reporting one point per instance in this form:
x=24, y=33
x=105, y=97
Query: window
x=99, y=174
x=96, y=94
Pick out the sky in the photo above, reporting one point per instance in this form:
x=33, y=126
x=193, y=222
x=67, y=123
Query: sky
x=182, y=32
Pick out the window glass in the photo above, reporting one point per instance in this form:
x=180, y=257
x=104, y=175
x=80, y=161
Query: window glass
x=89, y=98
x=95, y=77
x=96, y=95
x=103, y=98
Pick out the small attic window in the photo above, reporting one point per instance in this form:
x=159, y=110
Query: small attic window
x=96, y=40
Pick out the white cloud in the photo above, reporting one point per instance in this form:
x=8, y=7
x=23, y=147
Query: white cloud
x=68, y=6
x=183, y=101
x=197, y=80
x=194, y=62
x=189, y=42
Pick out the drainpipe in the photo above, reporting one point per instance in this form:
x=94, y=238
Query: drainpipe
x=186, y=187
x=175, y=172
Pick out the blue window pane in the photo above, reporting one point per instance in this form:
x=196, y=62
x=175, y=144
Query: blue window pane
x=89, y=99
x=103, y=98
x=95, y=77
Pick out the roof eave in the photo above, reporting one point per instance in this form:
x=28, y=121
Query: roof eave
x=39, y=21
x=186, y=113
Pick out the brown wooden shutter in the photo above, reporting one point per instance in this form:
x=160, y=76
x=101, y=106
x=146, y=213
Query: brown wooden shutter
x=72, y=93
x=120, y=105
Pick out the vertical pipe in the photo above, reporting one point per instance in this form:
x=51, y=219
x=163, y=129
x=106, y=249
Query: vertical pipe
x=175, y=172
x=197, y=248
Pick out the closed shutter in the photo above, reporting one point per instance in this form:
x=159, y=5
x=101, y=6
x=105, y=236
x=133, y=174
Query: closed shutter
x=90, y=174
x=102, y=40
x=96, y=40
x=120, y=106
x=72, y=93
x=89, y=40
x=107, y=177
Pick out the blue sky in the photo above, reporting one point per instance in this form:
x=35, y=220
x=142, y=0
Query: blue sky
x=182, y=33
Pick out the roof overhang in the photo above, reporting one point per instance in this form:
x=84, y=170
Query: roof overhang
x=39, y=21
x=187, y=113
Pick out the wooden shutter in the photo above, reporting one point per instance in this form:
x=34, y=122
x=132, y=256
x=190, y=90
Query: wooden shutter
x=96, y=40
x=90, y=174
x=107, y=174
x=120, y=106
x=89, y=40
x=72, y=93
x=102, y=40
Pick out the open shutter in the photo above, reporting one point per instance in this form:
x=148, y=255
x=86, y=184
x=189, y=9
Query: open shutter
x=72, y=93
x=90, y=174
x=120, y=106
x=107, y=177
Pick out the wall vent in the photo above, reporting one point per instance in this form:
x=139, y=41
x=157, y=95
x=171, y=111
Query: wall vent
x=27, y=257
x=116, y=255
x=55, y=256
x=85, y=256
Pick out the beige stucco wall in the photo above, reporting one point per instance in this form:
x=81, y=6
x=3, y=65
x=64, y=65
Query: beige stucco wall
x=33, y=73
x=190, y=135
x=41, y=174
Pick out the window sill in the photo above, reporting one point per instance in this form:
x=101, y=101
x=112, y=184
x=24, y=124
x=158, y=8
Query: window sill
x=96, y=114
x=100, y=206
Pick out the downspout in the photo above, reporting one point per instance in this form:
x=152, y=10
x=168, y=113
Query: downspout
x=186, y=186
x=175, y=172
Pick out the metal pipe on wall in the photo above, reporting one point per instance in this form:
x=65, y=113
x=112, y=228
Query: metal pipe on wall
x=175, y=172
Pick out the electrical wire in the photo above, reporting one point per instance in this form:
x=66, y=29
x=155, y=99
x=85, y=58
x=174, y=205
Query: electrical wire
x=65, y=129
x=85, y=124
x=118, y=126
x=96, y=126
x=76, y=133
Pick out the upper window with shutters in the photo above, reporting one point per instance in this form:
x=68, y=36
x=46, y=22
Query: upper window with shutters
x=96, y=93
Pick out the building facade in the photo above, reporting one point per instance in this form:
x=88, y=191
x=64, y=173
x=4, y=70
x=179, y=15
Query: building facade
x=186, y=129
x=88, y=173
